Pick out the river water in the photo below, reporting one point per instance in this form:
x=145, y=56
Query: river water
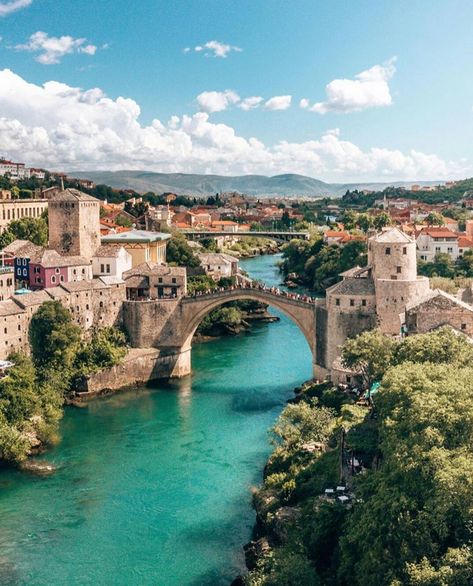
x=154, y=486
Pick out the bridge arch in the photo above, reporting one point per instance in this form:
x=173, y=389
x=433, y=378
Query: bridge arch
x=194, y=309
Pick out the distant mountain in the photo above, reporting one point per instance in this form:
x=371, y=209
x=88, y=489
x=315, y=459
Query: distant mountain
x=205, y=185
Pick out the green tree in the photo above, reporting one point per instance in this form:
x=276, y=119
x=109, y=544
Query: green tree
x=435, y=219
x=349, y=219
x=364, y=222
x=179, y=253
x=33, y=229
x=382, y=220
x=370, y=354
x=106, y=348
x=54, y=337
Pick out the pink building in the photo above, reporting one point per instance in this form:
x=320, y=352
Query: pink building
x=48, y=268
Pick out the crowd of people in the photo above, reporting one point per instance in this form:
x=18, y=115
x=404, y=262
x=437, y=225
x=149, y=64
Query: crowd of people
x=248, y=284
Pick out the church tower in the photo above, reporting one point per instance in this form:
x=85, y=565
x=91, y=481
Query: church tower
x=74, y=223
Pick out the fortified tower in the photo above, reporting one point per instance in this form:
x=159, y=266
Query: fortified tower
x=74, y=223
x=393, y=262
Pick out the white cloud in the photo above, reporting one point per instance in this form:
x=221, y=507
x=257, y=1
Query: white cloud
x=217, y=101
x=52, y=49
x=7, y=8
x=278, y=103
x=214, y=49
x=62, y=127
x=370, y=89
x=250, y=103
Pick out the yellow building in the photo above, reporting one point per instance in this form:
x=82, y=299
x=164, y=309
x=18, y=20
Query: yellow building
x=143, y=246
x=16, y=209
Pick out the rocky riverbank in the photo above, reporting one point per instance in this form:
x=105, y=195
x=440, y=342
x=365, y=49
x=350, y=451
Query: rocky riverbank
x=231, y=321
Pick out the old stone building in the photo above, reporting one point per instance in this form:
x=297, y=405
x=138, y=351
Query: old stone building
x=372, y=297
x=74, y=223
x=154, y=281
x=438, y=309
x=7, y=281
x=92, y=303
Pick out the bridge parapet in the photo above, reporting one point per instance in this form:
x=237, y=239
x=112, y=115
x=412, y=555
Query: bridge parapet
x=272, y=294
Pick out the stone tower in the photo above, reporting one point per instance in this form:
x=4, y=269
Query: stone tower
x=393, y=261
x=74, y=223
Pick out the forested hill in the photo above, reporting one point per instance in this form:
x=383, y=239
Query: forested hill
x=205, y=185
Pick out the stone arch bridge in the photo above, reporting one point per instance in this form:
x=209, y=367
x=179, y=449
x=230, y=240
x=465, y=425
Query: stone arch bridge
x=170, y=324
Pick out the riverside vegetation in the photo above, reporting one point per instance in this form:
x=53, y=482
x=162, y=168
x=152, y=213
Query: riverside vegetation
x=409, y=520
x=33, y=393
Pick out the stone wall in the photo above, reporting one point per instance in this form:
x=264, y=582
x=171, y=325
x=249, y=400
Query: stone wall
x=91, y=303
x=139, y=367
x=392, y=297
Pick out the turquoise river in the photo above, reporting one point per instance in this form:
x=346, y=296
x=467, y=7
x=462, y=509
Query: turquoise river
x=154, y=486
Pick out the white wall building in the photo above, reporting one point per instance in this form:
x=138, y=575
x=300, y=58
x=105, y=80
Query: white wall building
x=218, y=265
x=111, y=261
x=15, y=170
x=432, y=241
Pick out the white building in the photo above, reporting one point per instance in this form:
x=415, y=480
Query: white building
x=111, y=261
x=432, y=241
x=218, y=265
x=14, y=170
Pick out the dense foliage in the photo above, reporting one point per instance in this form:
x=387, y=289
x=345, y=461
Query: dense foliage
x=33, y=392
x=30, y=409
x=317, y=264
x=179, y=253
x=33, y=229
x=410, y=521
x=444, y=266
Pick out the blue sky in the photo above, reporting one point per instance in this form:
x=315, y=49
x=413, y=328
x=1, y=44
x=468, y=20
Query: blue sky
x=411, y=118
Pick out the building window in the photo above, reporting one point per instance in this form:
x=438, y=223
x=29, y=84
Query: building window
x=394, y=277
x=398, y=270
x=363, y=302
x=463, y=326
x=108, y=268
x=337, y=301
x=449, y=249
x=53, y=279
x=174, y=279
x=352, y=302
x=404, y=250
x=160, y=279
x=388, y=250
x=102, y=268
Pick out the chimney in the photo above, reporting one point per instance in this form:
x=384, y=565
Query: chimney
x=62, y=183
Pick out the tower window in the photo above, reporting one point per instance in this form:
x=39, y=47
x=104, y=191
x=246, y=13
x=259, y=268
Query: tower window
x=388, y=250
x=398, y=270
